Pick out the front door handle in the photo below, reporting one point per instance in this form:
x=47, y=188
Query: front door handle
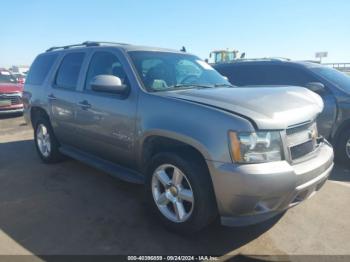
x=52, y=97
x=84, y=104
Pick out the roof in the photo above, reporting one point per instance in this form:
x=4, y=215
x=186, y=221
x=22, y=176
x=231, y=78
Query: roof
x=124, y=46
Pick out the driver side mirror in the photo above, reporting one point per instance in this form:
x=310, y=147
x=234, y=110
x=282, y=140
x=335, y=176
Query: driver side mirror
x=316, y=87
x=108, y=84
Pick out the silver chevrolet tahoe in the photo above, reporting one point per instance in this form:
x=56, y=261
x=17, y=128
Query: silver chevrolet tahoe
x=202, y=147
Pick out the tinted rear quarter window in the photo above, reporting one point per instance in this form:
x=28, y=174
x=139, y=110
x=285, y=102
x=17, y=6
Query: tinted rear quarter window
x=40, y=69
x=69, y=70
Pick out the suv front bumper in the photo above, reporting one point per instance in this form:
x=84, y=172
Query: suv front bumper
x=251, y=193
x=11, y=110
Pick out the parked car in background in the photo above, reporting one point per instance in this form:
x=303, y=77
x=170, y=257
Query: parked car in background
x=21, y=78
x=333, y=86
x=10, y=93
x=19, y=69
x=167, y=119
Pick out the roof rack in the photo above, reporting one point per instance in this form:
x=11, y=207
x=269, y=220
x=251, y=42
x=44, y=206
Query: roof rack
x=265, y=59
x=84, y=44
x=280, y=58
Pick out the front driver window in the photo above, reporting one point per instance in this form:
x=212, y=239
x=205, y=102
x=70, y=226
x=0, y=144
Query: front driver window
x=105, y=63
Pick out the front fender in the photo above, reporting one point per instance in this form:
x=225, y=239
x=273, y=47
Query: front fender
x=203, y=127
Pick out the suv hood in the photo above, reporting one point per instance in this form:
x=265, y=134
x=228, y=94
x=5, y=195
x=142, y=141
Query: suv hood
x=275, y=107
x=10, y=88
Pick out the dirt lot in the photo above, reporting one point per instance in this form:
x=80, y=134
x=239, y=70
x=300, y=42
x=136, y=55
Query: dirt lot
x=70, y=208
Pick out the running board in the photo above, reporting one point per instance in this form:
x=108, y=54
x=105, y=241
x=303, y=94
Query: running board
x=110, y=168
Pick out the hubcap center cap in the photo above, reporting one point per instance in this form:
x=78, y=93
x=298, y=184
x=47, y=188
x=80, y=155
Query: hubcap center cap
x=173, y=190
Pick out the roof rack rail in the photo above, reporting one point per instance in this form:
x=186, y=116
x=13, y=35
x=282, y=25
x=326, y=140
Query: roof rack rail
x=84, y=44
x=266, y=59
x=99, y=43
x=259, y=59
x=279, y=58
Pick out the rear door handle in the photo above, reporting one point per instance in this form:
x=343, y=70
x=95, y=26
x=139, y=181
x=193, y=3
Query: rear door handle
x=84, y=104
x=52, y=97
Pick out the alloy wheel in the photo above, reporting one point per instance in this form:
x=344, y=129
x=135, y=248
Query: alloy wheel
x=43, y=140
x=172, y=193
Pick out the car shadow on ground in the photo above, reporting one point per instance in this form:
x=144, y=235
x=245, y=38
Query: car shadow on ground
x=70, y=208
x=10, y=115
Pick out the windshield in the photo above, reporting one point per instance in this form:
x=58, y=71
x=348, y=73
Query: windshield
x=341, y=80
x=163, y=71
x=6, y=77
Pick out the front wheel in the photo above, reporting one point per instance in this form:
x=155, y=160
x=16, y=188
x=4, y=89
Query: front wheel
x=343, y=148
x=180, y=192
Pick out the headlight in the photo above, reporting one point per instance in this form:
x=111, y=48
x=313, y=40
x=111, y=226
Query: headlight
x=256, y=147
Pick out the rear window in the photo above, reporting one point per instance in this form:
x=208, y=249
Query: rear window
x=40, y=68
x=68, y=73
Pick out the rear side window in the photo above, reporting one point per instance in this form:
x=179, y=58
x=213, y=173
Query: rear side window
x=68, y=73
x=40, y=69
x=240, y=76
x=266, y=75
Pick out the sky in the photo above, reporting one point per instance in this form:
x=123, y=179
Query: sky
x=293, y=29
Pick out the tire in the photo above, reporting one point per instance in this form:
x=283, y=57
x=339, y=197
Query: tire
x=343, y=147
x=201, y=212
x=42, y=128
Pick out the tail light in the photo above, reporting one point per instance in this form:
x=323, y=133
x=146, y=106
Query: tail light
x=26, y=98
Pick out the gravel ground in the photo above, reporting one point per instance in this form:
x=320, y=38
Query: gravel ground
x=71, y=208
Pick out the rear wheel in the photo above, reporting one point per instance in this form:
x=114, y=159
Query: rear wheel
x=45, y=141
x=180, y=192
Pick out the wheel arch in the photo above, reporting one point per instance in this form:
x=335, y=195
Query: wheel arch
x=162, y=142
x=36, y=112
x=156, y=142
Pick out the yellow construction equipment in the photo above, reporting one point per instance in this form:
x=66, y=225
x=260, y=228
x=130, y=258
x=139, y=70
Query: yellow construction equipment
x=225, y=56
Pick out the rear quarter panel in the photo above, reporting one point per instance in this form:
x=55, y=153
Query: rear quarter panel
x=36, y=95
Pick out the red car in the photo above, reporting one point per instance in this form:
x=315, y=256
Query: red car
x=10, y=93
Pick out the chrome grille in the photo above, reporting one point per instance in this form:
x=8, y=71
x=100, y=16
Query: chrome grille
x=15, y=99
x=299, y=128
x=302, y=139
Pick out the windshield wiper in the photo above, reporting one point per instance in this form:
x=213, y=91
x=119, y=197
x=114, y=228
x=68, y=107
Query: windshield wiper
x=223, y=85
x=190, y=85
